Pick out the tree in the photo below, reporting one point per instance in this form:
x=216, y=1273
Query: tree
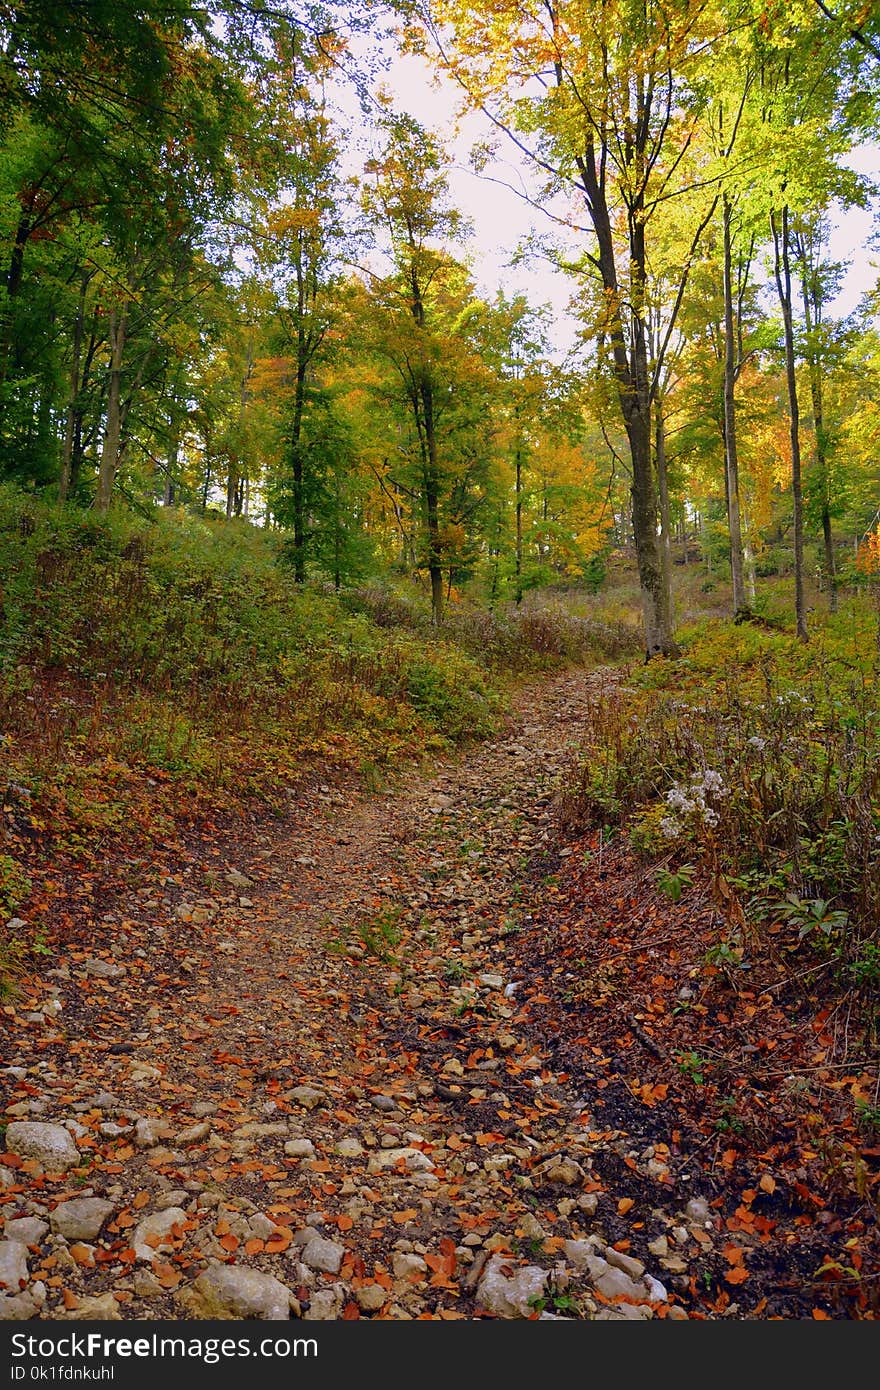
x=618, y=96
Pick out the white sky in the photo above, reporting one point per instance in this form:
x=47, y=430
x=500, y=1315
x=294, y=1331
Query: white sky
x=502, y=220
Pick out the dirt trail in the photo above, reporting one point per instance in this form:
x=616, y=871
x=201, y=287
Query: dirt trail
x=309, y=1057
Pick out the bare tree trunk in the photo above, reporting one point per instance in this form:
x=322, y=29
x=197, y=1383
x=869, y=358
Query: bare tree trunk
x=782, y=271
x=812, y=315
x=519, y=533
x=663, y=492
x=731, y=457
x=70, y=421
x=113, y=427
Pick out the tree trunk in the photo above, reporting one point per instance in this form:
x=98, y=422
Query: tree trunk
x=518, y=556
x=296, y=469
x=663, y=491
x=731, y=457
x=432, y=504
x=64, y=480
x=113, y=427
x=812, y=315
x=782, y=271
x=633, y=382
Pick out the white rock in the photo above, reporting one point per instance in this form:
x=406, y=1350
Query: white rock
x=326, y=1304
x=149, y=1132
x=387, y=1160
x=81, y=1218
x=308, y=1097
x=19, y=1307
x=404, y=1265
x=324, y=1255
x=102, y=1307
x=194, y=1134
x=614, y=1283
x=634, y=1268
x=299, y=1148
x=50, y=1145
x=158, y=1226
x=698, y=1209
x=13, y=1265
x=28, y=1229
x=508, y=1291
x=371, y=1298
x=349, y=1147
x=103, y=969
x=232, y=1291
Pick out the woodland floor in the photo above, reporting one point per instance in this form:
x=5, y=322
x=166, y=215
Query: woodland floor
x=517, y=1023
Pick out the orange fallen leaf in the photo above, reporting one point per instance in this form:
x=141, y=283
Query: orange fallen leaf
x=253, y=1246
x=766, y=1183
x=624, y=1205
x=737, y=1275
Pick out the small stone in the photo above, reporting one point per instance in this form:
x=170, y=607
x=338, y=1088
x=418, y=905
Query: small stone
x=563, y=1170
x=262, y=1226
x=28, y=1229
x=146, y=1285
x=371, y=1298
x=349, y=1147
x=386, y=1103
x=326, y=1304
x=103, y=969
x=326, y=1256
x=50, y=1145
x=579, y=1253
x=403, y=1265
x=101, y=1307
x=656, y=1291
x=299, y=1148
x=149, y=1133
x=413, y=1160
x=194, y=1134
x=508, y=1292
x=174, y=1197
x=659, y=1247
x=531, y=1228
x=233, y=1291
x=157, y=1226
x=308, y=1097
x=614, y=1283
x=492, y=981
x=81, y=1218
x=698, y=1209
x=634, y=1268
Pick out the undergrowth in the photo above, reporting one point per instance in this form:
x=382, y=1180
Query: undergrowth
x=758, y=757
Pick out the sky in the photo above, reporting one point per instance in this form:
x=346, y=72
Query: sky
x=502, y=219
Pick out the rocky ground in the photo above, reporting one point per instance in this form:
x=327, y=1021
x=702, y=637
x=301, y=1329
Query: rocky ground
x=300, y=1075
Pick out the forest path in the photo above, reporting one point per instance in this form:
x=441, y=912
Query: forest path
x=306, y=1074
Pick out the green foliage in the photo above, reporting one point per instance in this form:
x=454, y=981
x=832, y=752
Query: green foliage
x=672, y=882
x=14, y=885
